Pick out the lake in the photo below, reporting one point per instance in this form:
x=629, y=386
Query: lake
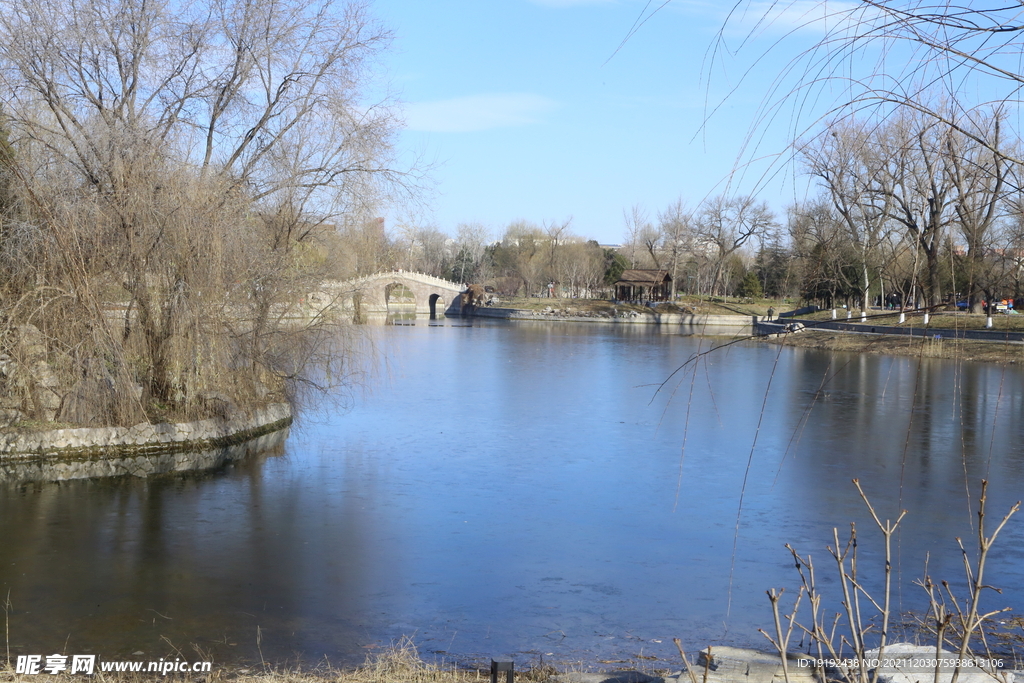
x=522, y=489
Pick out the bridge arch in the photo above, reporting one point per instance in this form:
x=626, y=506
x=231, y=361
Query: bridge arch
x=435, y=303
x=398, y=294
x=375, y=292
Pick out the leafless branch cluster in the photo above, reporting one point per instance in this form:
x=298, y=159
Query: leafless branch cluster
x=174, y=177
x=940, y=59
x=529, y=257
x=702, y=249
x=917, y=207
x=858, y=633
x=910, y=103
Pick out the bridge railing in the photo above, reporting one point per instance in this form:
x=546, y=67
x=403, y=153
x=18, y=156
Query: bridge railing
x=408, y=274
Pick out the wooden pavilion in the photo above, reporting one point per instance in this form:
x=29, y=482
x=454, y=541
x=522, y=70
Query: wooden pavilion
x=639, y=284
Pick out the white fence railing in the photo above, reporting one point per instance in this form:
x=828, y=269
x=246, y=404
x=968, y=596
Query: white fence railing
x=422, y=278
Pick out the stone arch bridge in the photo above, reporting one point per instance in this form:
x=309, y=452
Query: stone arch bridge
x=399, y=290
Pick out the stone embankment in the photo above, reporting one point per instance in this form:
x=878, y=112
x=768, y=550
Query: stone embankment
x=140, y=450
x=687, y=323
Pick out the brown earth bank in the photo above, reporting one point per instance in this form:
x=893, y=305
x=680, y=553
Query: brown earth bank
x=399, y=663
x=1007, y=353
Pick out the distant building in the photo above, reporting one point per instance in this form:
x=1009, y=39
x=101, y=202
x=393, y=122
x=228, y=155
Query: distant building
x=638, y=284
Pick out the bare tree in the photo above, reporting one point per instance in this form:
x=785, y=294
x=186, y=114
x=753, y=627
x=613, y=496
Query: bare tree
x=470, y=245
x=849, y=167
x=725, y=224
x=641, y=238
x=676, y=227
x=898, y=171
x=826, y=255
x=558, y=236
x=875, y=57
x=581, y=266
x=364, y=248
x=522, y=255
x=190, y=155
x=427, y=250
x=1013, y=242
x=979, y=174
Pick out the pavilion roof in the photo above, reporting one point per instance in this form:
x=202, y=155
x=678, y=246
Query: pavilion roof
x=644, y=277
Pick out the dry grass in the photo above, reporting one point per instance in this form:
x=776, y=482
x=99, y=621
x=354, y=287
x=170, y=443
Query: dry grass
x=402, y=662
x=965, y=321
x=399, y=663
x=892, y=345
x=735, y=305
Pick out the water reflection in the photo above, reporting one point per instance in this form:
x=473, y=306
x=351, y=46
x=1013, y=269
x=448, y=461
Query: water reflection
x=401, y=316
x=920, y=435
x=201, y=559
x=512, y=488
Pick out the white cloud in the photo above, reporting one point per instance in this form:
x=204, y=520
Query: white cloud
x=477, y=112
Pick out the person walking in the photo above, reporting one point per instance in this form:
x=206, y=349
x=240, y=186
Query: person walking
x=771, y=313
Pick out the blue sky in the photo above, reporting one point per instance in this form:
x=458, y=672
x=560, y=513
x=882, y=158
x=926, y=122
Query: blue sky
x=528, y=111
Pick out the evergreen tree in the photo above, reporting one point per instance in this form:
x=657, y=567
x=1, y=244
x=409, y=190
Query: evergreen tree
x=750, y=287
